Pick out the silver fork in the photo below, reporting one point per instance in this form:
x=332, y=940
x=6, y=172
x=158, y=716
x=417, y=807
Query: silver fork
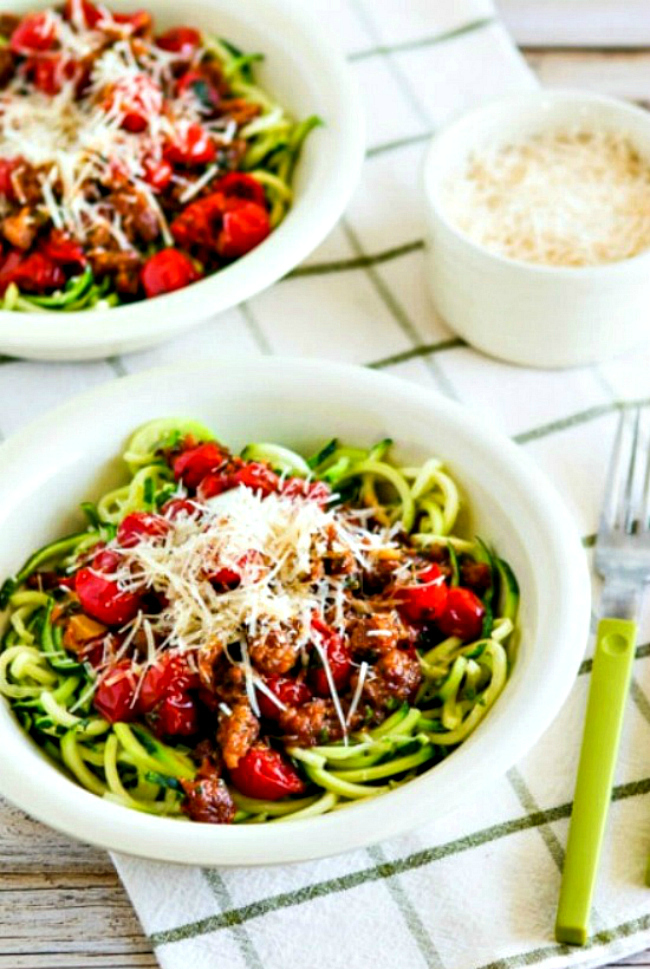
x=623, y=560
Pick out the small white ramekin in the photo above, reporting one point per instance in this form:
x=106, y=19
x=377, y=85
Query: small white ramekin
x=528, y=314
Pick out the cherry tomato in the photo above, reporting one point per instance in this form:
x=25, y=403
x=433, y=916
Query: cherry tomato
x=82, y=11
x=293, y=693
x=463, y=616
x=264, y=773
x=317, y=491
x=338, y=659
x=140, y=22
x=101, y=597
x=192, y=145
x=200, y=87
x=7, y=168
x=199, y=223
x=195, y=463
x=136, y=99
x=62, y=249
x=257, y=477
x=37, y=274
x=244, y=227
x=114, y=697
x=35, y=32
x=184, y=41
x=167, y=271
x=158, y=174
x=248, y=564
x=9, y=266
x=214, y=484
x=177, y=716
x=49, y=73
x=170, y=674
x=425, y=601
x=177, y=507
x=138, y=525
x=239, y=185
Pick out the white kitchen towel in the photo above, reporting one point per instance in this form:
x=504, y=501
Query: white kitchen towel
x=477, y=890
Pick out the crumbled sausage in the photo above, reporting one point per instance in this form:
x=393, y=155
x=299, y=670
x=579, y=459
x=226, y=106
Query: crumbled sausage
x=7, y=65
x=395, y=677
x=237, y=733
x=376, y=634
x=20, y=229
x=207, y=797
x=275, y=650
x=313, y=723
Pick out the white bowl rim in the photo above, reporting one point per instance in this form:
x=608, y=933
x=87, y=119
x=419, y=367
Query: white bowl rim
x=536, y=100
x=299, y=234
x=80, y=814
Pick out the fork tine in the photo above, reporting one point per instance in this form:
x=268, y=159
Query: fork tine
x=611, y=505
x=628, y=497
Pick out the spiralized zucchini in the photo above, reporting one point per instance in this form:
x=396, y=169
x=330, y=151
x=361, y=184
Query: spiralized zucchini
x=51, y=693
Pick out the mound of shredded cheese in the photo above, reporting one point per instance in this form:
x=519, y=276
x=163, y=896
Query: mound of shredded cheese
x=561, y=198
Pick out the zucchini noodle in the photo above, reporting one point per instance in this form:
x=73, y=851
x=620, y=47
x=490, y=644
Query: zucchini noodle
x=51, y=690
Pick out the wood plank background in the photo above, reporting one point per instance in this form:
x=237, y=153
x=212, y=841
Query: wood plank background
x=61, y=903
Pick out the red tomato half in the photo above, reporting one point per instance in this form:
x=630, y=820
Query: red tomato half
x=63, y=249
x=244, y=227
x=167, y=271
x=177, y=507
x=239, y=185
x=181, y=40
x=200, y=222
x=193, y=465
x=463, y=616
x=170, y=674
x=7, y=168
x=265, y=774
x=82, y=11
x=115, y=695
x=35, y=32
x=49, y=73
x=139, y=525
x=158, y=174
x=101, y=597
x=293, y=693
x=192, y=145
x=136, y=99
x=338, y=659
x=257, y=477
x=177, y=716
x=37, y=274
x=426, y=601
x=140, y=22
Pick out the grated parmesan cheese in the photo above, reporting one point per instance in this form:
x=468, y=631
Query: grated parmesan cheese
x=561, y=198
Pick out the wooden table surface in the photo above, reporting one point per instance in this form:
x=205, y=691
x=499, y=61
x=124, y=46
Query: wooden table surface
x=61, y=903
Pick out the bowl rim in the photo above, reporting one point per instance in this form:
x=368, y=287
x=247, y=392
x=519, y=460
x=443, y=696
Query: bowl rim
x=78, y=813
x=535, y=100
x=154, y=320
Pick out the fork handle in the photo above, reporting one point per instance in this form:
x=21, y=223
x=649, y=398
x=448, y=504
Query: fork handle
x=610, y=679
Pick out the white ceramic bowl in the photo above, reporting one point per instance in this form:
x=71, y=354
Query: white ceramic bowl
x=308, y=76
x=529, y=314
x=70, y=455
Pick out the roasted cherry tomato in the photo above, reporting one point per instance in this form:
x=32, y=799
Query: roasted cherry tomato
x=49, y=73
x=140, y=22
x=293, y=693
x=317, y=491
x=177, y=507
x=214, y=484
x=183, y=41
x=264, y=773
x=200, y=87
x=170, y=674
x=101, y=597
x=82, y=11
x=426, y=601
x=248, y=564
x=139, y=525
x=158, y=174
x=463, y=615
x=7, y=168
x=136, y=98
x=177, y=716
x=63, y=249
x=167, y=271
x=257, y=477
x=200, y=222
x=195, y=463
x=9, y=266
x=35, y=32
x=37, y=274
x=239, y=185
x=244, y=227
x=338, y=659
x=192, y=145
x=114, y=697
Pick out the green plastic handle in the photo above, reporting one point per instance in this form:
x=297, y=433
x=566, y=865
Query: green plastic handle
x=610, y=680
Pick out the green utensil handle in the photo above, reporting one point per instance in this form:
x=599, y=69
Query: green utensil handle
x=610, y=679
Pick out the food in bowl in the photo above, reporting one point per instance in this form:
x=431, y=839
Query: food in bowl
x=132, y=163
x=256, y=637
x=567, y=196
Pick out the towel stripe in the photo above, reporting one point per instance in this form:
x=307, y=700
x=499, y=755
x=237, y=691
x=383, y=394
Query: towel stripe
x=409, y=863
x=357, y=262
x=407, y=45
